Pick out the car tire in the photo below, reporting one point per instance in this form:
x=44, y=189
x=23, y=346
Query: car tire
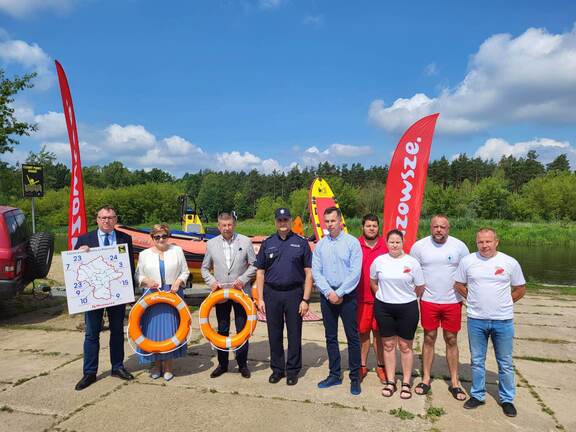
x=39, y=255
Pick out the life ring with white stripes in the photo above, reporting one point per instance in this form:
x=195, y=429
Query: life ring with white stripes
x=227, y=342
x=148, y=345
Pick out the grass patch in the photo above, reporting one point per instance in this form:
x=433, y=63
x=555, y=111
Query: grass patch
x=545, y=408
x=545, y=340
x=26, y=302
x=538, y=288
x=22, y=381
x=544, y=359
x=6, y=408
x=434, y=413
x=402, y=414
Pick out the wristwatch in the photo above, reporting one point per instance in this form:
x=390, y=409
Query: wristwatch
x=307, y=301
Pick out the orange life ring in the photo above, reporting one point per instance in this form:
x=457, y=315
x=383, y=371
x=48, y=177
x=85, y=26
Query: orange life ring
x=135, y=332
x=234, y=341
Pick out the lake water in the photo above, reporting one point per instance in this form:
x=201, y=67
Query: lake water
x=547, y=264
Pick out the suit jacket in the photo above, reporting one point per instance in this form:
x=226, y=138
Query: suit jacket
x=90, y=239
x=242, y=263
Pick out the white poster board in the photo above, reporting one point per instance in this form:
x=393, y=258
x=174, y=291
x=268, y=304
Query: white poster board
x=97, y=279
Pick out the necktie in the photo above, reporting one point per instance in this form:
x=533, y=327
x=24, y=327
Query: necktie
x=106, y=239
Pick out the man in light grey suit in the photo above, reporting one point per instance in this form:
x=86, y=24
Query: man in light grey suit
x=229, y=263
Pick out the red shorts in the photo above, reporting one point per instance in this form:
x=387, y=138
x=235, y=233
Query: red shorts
x=365, y=318
x=447, y=316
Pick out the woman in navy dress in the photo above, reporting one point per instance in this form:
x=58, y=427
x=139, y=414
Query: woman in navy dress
x=162, y=267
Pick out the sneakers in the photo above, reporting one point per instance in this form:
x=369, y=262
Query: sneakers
x=168, y=376
x=509, y=409
x=355, y=388
x=473, y=403
x=329, y=382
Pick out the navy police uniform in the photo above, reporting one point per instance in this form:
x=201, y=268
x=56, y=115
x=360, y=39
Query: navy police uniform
x=284, y=262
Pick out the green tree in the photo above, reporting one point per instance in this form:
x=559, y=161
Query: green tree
x=9, y=124
x=490, y=198
x=560, y=164
x=298, y=203
x=214, y=197
x=56, y=175
x=266, y=206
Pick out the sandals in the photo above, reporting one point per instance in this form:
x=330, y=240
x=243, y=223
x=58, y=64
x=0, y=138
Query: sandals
x=389, y=389
x=455, y=391
x=425, y=389
x=404, y=391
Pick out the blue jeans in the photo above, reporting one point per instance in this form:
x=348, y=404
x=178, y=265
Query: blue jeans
x=93, y=327
x=502, y=334
x=347, y=311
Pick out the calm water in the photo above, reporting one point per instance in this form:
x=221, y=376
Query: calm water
x=552, y=265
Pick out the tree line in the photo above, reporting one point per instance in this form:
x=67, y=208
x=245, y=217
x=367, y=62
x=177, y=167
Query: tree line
x=513, y=188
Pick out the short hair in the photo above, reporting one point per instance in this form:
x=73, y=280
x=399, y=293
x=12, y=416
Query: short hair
x=106, y=207
x=395, y=231
x=225, y=216
x=158, y=228
x=441, y=216
x=370, y=217
x=332, y=210
x=487, y=229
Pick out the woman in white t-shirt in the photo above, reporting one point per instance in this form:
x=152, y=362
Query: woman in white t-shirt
x=397, y=281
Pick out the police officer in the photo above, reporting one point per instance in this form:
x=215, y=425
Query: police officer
x=284, y=282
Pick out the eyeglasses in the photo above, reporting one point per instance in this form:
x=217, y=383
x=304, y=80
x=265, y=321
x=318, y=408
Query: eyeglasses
x=160, y=237
x=106, y=217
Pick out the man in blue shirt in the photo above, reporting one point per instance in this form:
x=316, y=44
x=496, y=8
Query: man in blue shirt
x=284, y=282
x=105, y=235
x=336, y=267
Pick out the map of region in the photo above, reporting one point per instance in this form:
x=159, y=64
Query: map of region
x=97, y=276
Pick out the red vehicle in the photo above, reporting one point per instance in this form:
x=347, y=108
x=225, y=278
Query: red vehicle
x=23, y=256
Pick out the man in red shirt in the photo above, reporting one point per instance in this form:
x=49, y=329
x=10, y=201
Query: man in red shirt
x=372, y=247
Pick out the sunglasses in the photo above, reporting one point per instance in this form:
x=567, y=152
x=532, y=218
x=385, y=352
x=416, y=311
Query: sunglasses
x=160, y=237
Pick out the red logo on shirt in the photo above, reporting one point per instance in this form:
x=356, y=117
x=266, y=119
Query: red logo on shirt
x=406, y=269
x=499, y=271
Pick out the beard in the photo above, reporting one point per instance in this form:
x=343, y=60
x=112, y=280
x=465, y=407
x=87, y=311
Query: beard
x=374, y=237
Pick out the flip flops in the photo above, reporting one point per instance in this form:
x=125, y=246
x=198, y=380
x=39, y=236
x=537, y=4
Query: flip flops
x=455, y=391
x=424, y=387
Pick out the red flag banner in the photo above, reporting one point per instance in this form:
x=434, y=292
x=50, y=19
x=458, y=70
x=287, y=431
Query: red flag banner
x=407, y=179
x=77, y=209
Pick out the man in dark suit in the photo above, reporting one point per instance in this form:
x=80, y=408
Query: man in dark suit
x=105, y=235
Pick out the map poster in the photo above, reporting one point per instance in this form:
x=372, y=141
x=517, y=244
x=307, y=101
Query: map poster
x=97, y=279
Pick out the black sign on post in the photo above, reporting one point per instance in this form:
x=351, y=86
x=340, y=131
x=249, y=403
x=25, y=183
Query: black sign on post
x=32, y=181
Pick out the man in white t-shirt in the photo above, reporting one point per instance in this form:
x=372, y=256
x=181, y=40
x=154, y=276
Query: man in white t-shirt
x=491, y=282
x=440, y=305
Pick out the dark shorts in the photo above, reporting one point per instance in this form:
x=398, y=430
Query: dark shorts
x=397, y=319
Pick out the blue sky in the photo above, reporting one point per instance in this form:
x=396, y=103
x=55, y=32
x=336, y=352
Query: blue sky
x=266, y=84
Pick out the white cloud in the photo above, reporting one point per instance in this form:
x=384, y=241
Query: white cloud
x=547, y=149
x=270, y=4
x=528, y=78
x=431, y=69
x=313, y=20
x=313, y=156
x=236, y=161
x=22, y=8
x=130, y=137
x=29, y=56
x=50, y=125
x=178, y=146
